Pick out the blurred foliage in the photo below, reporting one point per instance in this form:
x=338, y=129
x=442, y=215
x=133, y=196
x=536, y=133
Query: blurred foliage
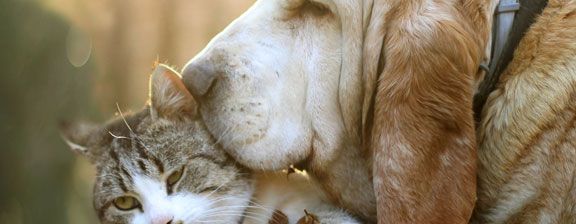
x=41, y=84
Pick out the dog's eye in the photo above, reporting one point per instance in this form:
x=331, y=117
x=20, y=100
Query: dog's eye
x=126, y=203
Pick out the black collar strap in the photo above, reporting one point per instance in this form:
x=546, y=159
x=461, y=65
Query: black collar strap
x=511, y=23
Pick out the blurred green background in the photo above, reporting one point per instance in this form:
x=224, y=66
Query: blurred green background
x=75, y=59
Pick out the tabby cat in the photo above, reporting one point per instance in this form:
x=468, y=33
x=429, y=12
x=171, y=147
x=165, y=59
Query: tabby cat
x=160, y=165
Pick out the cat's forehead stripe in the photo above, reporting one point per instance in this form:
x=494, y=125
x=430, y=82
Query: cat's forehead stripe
x=115, y=163
x=142, y=166
x=121, y=184
x=124, y=177
x=126, y=174
x=158, y=164
x=140, y=149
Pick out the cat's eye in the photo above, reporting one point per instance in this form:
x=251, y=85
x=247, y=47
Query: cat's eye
x=174, y=178
x=126, y=203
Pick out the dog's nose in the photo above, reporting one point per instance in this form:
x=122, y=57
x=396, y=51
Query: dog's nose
x=199, y=77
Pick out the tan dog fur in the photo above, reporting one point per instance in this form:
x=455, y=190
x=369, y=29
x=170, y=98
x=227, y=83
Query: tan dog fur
x=527, y=154
x=423, y=135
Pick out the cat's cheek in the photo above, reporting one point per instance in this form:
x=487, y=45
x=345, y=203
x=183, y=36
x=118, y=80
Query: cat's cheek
x=231, y=207
x=189, y=207
x=139, y=219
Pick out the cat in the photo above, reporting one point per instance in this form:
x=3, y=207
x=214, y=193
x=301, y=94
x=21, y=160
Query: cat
x=160, y=165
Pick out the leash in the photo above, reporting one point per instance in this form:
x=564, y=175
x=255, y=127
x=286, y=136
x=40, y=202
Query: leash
x=512, y=20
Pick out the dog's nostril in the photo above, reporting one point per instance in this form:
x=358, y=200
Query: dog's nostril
x=169, y=222
x=199, y=77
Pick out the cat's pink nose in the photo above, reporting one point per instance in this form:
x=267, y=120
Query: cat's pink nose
x=162, y=219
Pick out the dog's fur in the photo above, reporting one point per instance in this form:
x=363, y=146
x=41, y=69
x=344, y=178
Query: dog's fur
x=423, y=136
x=354, y=90
x=527, y=154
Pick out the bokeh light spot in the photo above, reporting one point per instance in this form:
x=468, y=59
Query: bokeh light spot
x=78, y=47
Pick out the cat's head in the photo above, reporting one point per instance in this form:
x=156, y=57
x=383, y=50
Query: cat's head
x=160, y=165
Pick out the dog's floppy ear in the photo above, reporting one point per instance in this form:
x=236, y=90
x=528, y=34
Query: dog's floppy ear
x=169, y=98
x=423, y=139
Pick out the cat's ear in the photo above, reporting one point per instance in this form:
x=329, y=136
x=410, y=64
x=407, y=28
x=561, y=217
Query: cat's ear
x=77, y=135
x=169, y=98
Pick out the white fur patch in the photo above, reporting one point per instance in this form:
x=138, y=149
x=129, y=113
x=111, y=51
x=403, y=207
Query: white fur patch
x=159, y=207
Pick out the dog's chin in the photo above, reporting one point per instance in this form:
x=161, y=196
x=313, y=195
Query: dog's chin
x=257, y=137
x=271, y=152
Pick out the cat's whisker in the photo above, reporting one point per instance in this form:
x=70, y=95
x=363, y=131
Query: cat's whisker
x=123, y=118
x=117, y=136
x=211, y=221
x=139, y=140
x=219, y=211
x=234, y=137
x=220, y=186
x=239, y=213
x=132, y=133
x=259, y=205
x=254, y=216
x=226, y=132
x=107, y=176
x=244, y=206
x=212, y=202
x=215, y=190
x=224, y=210
x=258, y=219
